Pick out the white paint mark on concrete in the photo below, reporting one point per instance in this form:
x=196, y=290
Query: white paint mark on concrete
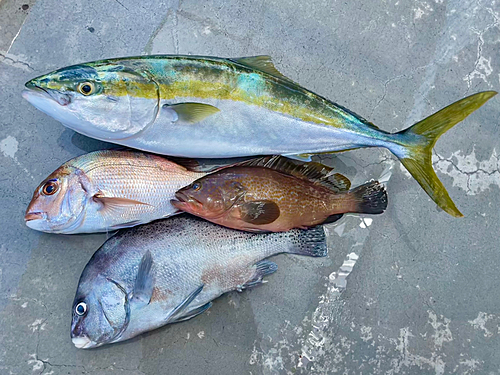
x=339, y=229
x=24, y=305
x=441, y=327
x=37, y=364
x=201, y=334
x=365, y=222
x=409, y=359
x=206, y=30
x=423, y=10
x=418, y=13
x=480, y=323
x=9, y=146
x=366, y=333
x=470, y=174
x=36, y=325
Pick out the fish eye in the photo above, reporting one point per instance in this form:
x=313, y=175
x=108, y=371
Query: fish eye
x=86, y=88
x=196, y=186
x=81, y=308
x=50, y=187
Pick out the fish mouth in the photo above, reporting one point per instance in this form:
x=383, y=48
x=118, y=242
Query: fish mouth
x=35, y=215
x=184, y=198
x=183, y=201
x=33, y=90
x=83, y=342
x=36, y=220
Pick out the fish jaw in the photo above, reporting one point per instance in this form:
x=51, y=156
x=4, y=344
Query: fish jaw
x=186, y=203
x=37, y=221
x=83, y=342
x=46, y=102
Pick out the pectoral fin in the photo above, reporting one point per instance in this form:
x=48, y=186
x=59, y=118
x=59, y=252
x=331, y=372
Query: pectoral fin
x=143, y=287
x=112, y=205
x=191, y=113
x=177, y=312
x=259, y=212
x=192, y=313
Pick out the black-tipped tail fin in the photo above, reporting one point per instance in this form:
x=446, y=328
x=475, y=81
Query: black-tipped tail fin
x=370, y=198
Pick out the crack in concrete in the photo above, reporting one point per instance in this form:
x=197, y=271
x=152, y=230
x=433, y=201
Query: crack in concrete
x=14, y=62
x=122, y=5
x=215, y=28
x=398, y=77
x=479, y=57
x=469, y=174
x=383, y=160
x=175, y=29
x=465, y=172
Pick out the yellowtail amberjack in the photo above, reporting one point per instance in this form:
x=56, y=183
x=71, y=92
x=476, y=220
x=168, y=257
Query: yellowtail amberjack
x=211, y=107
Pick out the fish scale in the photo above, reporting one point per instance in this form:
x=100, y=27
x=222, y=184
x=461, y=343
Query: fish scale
x=209, y=107
x=148, y=180
x=186, y=253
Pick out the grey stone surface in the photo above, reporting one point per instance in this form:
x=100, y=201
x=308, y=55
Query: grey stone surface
x=423, y=295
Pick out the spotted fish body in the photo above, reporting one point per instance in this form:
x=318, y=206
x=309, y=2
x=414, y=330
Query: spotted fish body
x=107, y=190
x=169, y=271
x=275, y=194
x=213, y=107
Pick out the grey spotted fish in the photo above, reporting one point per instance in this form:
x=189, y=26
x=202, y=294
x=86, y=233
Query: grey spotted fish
x=169, y=271
x=213, y=107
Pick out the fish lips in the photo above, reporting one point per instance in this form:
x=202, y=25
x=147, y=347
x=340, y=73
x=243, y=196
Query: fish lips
x=83, y=342
x=36, y=220
x=34, y=94
x=182, y=201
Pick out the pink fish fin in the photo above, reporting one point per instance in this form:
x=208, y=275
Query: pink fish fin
x=113, y=205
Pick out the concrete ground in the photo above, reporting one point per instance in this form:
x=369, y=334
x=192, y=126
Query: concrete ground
x=423, y=294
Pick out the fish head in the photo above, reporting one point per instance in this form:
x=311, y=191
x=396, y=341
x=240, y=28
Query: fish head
x=100, y=313
x=209, y=197
x=103, y=100
x=58, y=203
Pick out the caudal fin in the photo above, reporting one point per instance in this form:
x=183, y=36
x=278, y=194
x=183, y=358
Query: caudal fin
x=370, y=198
x=309, y=242
x=419, y=139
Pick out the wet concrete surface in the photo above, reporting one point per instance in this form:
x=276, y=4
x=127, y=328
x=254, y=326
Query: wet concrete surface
x=413, y=291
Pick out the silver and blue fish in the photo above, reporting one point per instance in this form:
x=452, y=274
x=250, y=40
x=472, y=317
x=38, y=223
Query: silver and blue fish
x=169, y=271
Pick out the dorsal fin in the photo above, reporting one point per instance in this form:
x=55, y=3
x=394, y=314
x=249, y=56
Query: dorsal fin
x=263, y=63
x=315, y=172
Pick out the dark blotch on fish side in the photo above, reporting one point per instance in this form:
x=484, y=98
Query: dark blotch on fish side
x=25, y=7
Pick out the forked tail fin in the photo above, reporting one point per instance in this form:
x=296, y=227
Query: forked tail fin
x=419, y=139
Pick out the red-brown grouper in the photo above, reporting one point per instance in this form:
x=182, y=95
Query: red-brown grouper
x=277, y=195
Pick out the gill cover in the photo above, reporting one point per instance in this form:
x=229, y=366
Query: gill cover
x=104, y=99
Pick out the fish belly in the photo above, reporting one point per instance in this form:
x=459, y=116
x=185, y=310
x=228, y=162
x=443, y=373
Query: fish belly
x=242, y=129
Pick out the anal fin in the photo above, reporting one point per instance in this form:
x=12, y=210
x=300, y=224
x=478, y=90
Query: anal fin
x=332, y=218
x=262, y=268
